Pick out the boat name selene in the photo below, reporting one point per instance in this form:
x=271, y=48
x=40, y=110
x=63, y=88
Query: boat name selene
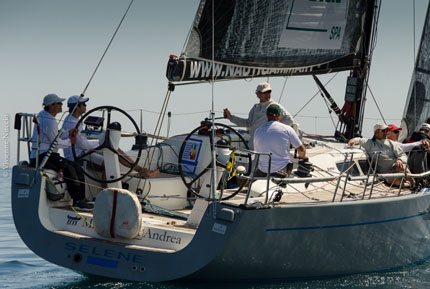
x=108, y=253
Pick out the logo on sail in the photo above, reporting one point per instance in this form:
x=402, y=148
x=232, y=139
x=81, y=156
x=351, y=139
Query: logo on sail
x=314, y=24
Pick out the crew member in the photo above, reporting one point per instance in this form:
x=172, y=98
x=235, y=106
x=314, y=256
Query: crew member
x=257, y=114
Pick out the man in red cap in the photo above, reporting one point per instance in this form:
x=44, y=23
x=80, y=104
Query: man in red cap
x=393, y=132
x=391, y=159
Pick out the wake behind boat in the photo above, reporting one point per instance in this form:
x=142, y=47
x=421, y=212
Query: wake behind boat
x=207, y=216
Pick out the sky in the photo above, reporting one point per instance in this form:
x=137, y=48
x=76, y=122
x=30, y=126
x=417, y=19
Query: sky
x=53, y=46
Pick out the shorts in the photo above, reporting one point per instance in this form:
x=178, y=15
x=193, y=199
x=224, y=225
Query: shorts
x=282, y=173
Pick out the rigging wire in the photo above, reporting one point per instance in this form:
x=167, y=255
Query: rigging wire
x=157, y=132
x=282, y=91
x=107, y=48
x=316, y=93
x=100, y=61
x=374, y=99
x=60, y=132
x=415, y=68
x=213, y=115
x=328, y=107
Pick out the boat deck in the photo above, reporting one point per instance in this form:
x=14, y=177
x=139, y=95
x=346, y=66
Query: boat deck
x=315, y=193
x=174, y=222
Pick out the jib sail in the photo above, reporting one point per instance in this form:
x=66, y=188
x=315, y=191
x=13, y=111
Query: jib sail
x=417, y=107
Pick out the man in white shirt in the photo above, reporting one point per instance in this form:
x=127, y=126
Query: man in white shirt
x=275, y=137
x=47, y=130
x=83, y=144
x=257, y=114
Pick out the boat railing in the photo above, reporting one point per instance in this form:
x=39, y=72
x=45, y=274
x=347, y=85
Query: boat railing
x=24, y=125
x=253, y=169
x=369, y=178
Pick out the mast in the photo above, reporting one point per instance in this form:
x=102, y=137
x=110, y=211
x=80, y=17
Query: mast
x=351, y=122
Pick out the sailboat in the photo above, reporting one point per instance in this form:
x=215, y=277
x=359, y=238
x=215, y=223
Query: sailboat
x=332, y=216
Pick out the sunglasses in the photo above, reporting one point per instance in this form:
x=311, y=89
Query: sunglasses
x=269, y=91
x=396, y=131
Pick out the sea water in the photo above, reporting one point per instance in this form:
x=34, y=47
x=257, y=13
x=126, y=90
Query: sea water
x=21, y=268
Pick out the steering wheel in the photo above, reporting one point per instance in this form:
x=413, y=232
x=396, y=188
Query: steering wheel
x=106, y=143
x=184, y=175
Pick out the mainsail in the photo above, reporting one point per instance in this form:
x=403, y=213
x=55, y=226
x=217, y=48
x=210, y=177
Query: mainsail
x=417, y=107
x=260, y=38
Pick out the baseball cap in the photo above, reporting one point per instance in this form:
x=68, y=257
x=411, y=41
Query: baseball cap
x=263, y=87
x=274, y=109
x=52, y=98
x=380, y=126
x=73, y=100
x=394, y=127
x=425, y=126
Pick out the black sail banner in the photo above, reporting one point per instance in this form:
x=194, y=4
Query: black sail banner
x=255, y=38
x=417, y=108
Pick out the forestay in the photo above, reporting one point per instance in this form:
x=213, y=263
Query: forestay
x=255, y=38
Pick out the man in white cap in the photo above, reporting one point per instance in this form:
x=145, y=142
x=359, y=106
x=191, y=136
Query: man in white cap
x=392, y=157
x=78, y=106
x=47, y=129
x=257, y=114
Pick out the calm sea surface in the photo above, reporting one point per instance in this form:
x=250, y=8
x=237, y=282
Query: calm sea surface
x=21, y=268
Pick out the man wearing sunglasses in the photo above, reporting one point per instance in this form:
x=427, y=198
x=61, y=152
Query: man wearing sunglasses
x=393, y=134
x=78, y=105
x=46, y=131
x=257, y=114
x=83, y=144
x=391, y=158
